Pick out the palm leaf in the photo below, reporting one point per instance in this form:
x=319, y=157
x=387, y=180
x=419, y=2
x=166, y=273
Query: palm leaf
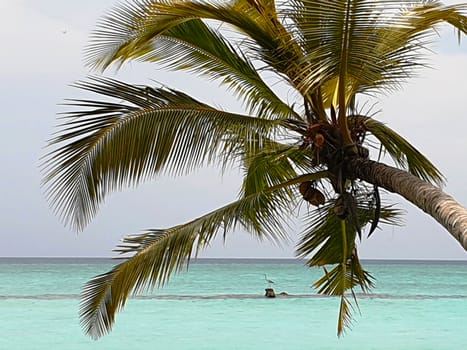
x=342, y=278
x=160, y=252
x=272, y=164
x=324, y=232
x=106, y=146
x=403, y=153
x=128, y=30
x=330, y=240
x=367, y=44
x=322, y=239
x=195, y=47
x=345, y=316
x=336, y=282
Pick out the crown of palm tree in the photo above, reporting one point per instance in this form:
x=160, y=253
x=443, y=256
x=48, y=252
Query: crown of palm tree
x=326, y=52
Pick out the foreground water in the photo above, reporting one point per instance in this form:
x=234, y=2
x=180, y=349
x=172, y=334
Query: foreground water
x=219, y=304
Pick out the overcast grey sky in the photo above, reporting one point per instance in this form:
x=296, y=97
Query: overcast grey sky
x=41, y=54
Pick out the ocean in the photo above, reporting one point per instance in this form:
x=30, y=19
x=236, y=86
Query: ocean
x=219, y=304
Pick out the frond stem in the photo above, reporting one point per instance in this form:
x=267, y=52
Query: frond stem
x=342, y=120
x=340, y=327
x=344, y=244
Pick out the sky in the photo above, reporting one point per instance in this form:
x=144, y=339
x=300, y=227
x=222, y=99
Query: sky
x=41, y=55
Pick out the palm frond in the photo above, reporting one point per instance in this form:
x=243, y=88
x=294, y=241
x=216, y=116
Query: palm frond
x=345, y=315
x=128, y=31
x=106, y=146
x=403, y=153
x=321, y=240
x=160, y=252
x=330, y=240
x=196, y=47
x=272, y=164
x=324, y=232
x=359, y=275
x=383, y=42
x=341, y=279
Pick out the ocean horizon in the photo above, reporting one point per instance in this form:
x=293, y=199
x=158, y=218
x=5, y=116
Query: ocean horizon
x=226, y=259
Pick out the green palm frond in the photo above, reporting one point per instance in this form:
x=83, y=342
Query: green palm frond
x=341, y=279
x=196, y=47
x=370, y=44
x=129, y=30
x=273, y=164
x=335, y=283
x=158, y=253
x=403, y=153
x=329, y=240
x=404, y=41
x=322, y=238
x=106, y=146
x=345, y=315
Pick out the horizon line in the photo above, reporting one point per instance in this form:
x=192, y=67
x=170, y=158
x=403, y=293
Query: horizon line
x=194, y=259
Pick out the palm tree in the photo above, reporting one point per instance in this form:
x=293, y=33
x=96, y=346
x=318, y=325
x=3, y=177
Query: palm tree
x=314, y=149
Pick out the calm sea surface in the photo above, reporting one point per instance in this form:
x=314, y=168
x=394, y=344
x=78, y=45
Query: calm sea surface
x=219, y=304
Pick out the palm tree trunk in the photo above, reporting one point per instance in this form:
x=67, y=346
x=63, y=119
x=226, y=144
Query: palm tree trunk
x=431, y=199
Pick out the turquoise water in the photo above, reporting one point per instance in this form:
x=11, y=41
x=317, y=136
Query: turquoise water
x=219, y=304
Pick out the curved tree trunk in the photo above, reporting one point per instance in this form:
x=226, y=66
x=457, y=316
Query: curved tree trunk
x=427, y=197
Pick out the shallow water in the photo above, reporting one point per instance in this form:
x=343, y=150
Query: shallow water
x=219, y=304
